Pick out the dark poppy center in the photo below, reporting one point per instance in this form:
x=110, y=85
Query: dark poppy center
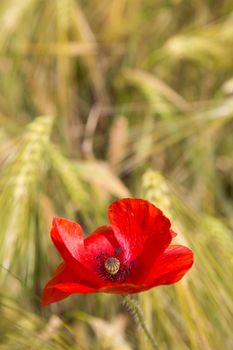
x=112, y=265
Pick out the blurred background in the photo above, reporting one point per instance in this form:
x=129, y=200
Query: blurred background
x=101, y=100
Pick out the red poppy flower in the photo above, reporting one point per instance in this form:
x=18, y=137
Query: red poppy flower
x=130, y=255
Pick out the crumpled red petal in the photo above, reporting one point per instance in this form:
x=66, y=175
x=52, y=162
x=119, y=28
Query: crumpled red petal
x=124, y=288
x=102, y=240
x=62, y=285
x=67, y=237
x=170, y=267
x=141, y=228
x=51, y=294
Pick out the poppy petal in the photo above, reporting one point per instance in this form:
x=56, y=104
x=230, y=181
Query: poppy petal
x=50, y=294
x=101, y=242
x=171, y=266
x=68, y=238
x=140, y=227
x=124, y=288
x=58, y=287
x=75, y=288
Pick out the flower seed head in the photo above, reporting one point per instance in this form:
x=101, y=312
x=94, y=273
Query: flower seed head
x=112, y=265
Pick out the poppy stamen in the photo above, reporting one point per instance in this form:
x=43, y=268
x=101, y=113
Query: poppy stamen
x=112, y=265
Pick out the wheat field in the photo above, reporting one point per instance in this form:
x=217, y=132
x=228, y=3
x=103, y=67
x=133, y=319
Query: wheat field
x=101, y=100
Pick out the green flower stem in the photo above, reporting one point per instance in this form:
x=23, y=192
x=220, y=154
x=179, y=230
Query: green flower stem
x=134, y=308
